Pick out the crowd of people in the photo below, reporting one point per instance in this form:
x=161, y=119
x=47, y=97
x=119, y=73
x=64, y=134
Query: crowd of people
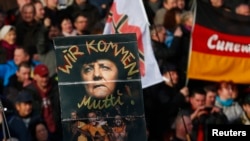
x=178, y=100
x=173, y=108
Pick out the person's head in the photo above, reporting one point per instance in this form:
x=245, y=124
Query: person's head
x=41, y=75
x=80, y=2
x=80, y=23
x=235, y=92
x=243, y=9
x=183, y=124
x=66, y=25
x=181, y=4
x=54, y=31
x=170, y=74
x=225, y=90
x=210, y=95
x=246, y=104
x=172, y=18
x=21, y=55
x=92, y=118
x=23, y=103
x=39, y=130
x=28, y=13
x=73, y=114
x=40, y=12
x=118, y=120
x=197, y=98
x=101, y=74
x=216, y=3
x=169, y=4
x=187, y=19
x=51, y=4
x=23, y=72
x=158, y=33
x=21, y=3
x=8, y=34
x=101, y=71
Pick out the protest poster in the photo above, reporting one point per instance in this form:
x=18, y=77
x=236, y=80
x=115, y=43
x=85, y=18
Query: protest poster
x=100, y=88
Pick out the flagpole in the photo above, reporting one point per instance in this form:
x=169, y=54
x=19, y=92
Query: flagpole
x=193, y=9
x=4, y=122
x=185, y=127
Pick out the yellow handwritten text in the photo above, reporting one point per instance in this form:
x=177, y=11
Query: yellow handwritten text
x=70, y=56
x=127, y=59
x=109, y=101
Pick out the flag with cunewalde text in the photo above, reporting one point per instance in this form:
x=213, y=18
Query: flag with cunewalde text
x=220, y=45
x=129, y=16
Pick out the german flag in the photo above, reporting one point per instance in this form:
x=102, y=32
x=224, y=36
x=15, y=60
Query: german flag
x=220, y=45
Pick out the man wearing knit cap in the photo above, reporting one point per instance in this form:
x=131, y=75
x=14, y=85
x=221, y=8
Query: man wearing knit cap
x=47, y=98
x=20, y=120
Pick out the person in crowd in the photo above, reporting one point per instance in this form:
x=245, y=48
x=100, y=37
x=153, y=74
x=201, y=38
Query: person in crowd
x=172, y=20
x=243, y=9
x=67, y=28
x=217, y=3
x=18, y=81
x=181, y=4
x=40, y=15
x=10, y=67
x=201, y=115
x=244, y=119
x=186, y=25
x=102, y=5
x=162, y=53
x=40, y=12
x=39, y=130
x=52, y=12
x=183, y=127
x=46, y=53
x=28, y=29
x=46, y=98
x=154, y=4
x=236, y=93
x=7, y=43
x=166, y=99
x=151, y=6
x=224, y=100
x=81, y=24
x=84, y=6
x=24, y=115
x=14, y=15
x=45, y=50
x=211, y=94
x=160, y=13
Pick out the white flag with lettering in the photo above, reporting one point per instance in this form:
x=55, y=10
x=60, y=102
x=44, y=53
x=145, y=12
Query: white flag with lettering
x=129, y=16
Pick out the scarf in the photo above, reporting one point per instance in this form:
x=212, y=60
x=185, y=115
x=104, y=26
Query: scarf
x=225, y=103
x=47, y=111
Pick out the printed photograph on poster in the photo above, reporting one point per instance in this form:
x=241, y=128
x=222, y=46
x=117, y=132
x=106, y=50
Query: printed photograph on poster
x=100, y=88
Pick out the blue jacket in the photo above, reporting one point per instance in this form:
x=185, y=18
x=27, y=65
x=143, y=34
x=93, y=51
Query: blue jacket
x=10, y=68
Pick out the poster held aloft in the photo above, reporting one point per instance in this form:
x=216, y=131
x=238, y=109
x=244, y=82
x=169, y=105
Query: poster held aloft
x=100, y=88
